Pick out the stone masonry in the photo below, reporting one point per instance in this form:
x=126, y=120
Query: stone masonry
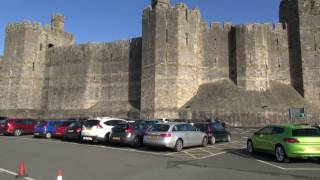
x=181, y=67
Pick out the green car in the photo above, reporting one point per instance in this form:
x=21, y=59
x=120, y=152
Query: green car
x=286, y=141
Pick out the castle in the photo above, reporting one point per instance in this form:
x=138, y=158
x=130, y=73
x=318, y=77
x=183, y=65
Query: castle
x=181, y=67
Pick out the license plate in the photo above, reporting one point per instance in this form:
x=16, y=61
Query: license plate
x=70, y=131
x=154, y=137
x=37, y=134
x=87, y=138
x=314, y=148
x=116, y=138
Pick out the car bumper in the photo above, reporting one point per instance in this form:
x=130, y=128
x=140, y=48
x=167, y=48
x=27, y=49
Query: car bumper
x=121, y=138
x=301, y=151
x=72, y=136
x=39, y=134
x=164, y=142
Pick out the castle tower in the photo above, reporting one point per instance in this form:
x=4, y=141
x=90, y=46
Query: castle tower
x=160, y=3
x=169, y=59
x=57, y=22
x=303, y=20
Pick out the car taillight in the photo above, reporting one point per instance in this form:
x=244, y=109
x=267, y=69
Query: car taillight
x=78, y=130
x=165, y=135
x=129, y=130
x=290, y=140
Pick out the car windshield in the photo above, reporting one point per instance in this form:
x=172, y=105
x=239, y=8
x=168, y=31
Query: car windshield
x=306, y=132
x=160, y=128
x=67, y=123
x=91, y=123
x=3, y=121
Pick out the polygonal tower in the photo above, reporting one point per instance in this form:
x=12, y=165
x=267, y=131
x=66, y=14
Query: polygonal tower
x=303, y=20
x=57, y=22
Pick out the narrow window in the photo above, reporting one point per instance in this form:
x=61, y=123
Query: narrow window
x=149, y=17
x=277, y=43
x=187, y=15
x=187, y=38
x=167, y=38
x=41, y=46
x=279, y=64
x=315, y=43
x=111, y=57
x=33, y=66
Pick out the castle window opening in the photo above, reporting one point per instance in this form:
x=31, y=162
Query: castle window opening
x=33, y=66
x=149, y=17
x=167, y=38
x=111, y=57
x=187, y=38
x=41, y=46
x=315, y=44
x=50, y=46
x=277, y=43
x=187, y=18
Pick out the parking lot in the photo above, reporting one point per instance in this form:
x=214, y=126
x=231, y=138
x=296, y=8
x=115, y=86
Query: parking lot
x=230, y=160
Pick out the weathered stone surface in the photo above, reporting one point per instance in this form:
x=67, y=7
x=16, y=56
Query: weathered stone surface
x=182, y=67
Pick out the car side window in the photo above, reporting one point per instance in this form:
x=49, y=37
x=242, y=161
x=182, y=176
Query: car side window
x=217, y=126
x=180, y=127
x=266, y=130
x=113, y=122
x=277, y=130
x=189, y=127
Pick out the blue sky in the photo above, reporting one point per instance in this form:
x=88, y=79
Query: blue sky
x=109, y=20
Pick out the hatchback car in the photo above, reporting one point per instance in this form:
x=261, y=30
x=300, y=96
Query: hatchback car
x=73, y=131
x=17, y=127
x=214, y=130
x=286, y=141
x=175, y=136
x=61, y=128
x=129, y=133
x=47, y=128
x=99, y=129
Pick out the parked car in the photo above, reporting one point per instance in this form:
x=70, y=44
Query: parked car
x=99, y=129
x=214, y=130
x=129, y=133
x=47, y=128
x=286, y=141
x=73, y=131
x=61, y=128
x=17, y=127
x=175, y=136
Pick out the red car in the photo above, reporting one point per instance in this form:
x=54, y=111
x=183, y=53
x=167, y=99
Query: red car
x=17, y=127
x=61, y=129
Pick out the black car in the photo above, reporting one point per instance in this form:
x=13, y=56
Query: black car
x=216, y=131
x=73, y=131
x=129, y=133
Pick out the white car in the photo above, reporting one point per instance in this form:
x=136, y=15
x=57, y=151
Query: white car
x=99, y=129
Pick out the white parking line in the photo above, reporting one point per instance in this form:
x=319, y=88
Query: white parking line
x=289, y=169
x=13, y=173
x=205, y=157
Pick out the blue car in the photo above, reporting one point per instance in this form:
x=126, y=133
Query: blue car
x=46, y=128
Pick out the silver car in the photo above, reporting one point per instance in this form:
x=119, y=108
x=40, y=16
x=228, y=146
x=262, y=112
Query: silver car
x=175, y=136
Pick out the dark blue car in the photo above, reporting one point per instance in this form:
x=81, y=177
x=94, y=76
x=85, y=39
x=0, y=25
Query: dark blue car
x=46, y=128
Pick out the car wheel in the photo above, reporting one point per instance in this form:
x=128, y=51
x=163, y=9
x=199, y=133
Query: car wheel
x=280, y=154
x=136, y=142
x=48, y=135
x=228, y=139
x=17, y=132
x=204, y=142
x=250, y=147
x=107, y=138
x=212, y=140
x=178, y=146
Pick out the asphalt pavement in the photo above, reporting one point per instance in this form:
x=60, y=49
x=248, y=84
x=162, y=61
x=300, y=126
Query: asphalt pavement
x=43, y=158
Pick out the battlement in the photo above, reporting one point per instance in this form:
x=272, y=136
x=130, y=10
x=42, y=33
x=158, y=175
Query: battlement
x=36, y=26
x=222, y=26
x=277, y=27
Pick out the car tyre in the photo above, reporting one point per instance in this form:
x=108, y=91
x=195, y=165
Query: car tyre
x=212, y=140
x=250, y=147
x=48, y=135
x=280, y=154
x=228, y=139
x=17, y=132
x=204, y=142
x=137, y=142
x=107, y=139
x=178, y=146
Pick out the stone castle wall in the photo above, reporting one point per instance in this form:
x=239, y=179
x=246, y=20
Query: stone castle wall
x=181, y=67
x=97, y=79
